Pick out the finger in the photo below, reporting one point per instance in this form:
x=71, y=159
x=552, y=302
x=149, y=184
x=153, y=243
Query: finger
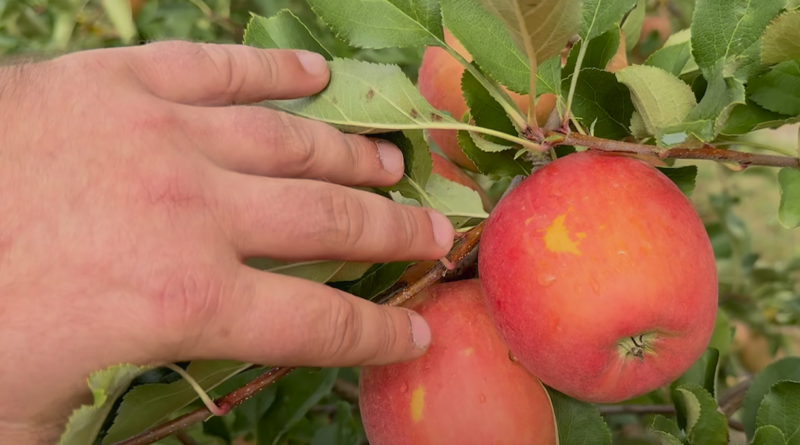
x=256, y=140
x=295, y=219
x=214, y=74
x=285, y=321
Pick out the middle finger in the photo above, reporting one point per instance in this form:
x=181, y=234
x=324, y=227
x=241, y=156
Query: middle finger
x=295, y=219
x=259, y=141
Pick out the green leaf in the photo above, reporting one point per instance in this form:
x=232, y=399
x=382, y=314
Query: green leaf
x=703, y=375
x=602, y=101
x=321, y=271
x=633, y=24
x=779, y=89
x=383, y=23
x=364, y=97
x=659, y=97
x=416, y=154
x=600, y=15
x=578, y=423
x=667, y=426
x=120, y=14
x=671, y=58
x=789, y=209
x=343, y=432
x=781, y=408
x=484, y=109
x=784, y=369
x=297, y=393
x=769, y=435
x=251, y=411
x=496, y=165
x=453, y=199
x=683, y=177
x=376, y=280
x=486, y=39
x=706, y=120
x=107, y=385
x=706, y=424
x=147, y=405
x=781, y=41
x=285, y=31
x=722, y=336
x=750, y=116
x=600, y=51
x=543, y=26
x=725, y=29
x=549, y=76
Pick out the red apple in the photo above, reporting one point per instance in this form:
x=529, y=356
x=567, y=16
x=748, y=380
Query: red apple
x=600, y=276
x=439, y=82
x=464, y=390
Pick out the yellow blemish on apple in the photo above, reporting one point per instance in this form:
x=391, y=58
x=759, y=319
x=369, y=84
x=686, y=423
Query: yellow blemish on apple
x=417, y=403
x=469, y=351
x=557, y=239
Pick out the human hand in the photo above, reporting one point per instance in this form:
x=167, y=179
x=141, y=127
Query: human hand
x=131, y=195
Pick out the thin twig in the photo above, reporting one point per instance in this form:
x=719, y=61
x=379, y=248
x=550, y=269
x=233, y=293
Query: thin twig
x=346, y=390
x=184, y=438
x=461, y=249
x=226, y=402
x=706, y=153
x=732, y=400
x=468, y=242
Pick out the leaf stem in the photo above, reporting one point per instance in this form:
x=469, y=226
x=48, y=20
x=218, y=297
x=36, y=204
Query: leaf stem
x=511, y=109
x=216, y=410
x=575, y=73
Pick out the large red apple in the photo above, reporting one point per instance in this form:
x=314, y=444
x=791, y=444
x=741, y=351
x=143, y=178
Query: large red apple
x=600, y=276
x=464, y=390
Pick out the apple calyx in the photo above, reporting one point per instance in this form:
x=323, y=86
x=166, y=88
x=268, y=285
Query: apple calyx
x=637, y=346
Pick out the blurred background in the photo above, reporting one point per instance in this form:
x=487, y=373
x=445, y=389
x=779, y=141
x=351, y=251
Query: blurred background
x=758, y=260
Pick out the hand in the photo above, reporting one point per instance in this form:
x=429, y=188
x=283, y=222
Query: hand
x=131, y=193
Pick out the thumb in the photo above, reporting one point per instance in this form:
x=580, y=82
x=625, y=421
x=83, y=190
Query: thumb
x=279, y=320
x=215, y=74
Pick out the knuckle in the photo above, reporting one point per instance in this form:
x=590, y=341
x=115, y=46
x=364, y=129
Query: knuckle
x=184, y=302
x=409, y=228
x=169, y=184
x=388, y=339
x=344, y=328
x=343, y=218
x=270, y=68
x=300, y=142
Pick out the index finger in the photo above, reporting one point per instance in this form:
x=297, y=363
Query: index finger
x=217, y=74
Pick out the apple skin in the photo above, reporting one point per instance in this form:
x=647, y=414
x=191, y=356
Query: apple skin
x=464, y=390
x=589, y=251
x=439, y=82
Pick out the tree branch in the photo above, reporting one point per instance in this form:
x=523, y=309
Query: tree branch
x=462, y=248
x=707, y=153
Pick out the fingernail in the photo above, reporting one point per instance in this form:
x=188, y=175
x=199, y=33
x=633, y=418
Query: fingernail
x=391, y=157
x=443, y=231
x=420, y=331
x=312, y=62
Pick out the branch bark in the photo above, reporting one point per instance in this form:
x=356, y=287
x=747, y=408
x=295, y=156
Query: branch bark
x=462, y=249
x=706, y=153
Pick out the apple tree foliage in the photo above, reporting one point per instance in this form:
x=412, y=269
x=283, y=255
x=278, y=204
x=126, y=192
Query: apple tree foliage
x=730, y=68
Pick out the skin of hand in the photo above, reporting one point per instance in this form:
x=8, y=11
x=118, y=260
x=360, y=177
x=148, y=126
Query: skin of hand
x=135, y=181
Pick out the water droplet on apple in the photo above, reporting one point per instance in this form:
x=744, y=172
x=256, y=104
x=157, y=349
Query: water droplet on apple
x=482, y=398
x=546, y=279
x=404, y=388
